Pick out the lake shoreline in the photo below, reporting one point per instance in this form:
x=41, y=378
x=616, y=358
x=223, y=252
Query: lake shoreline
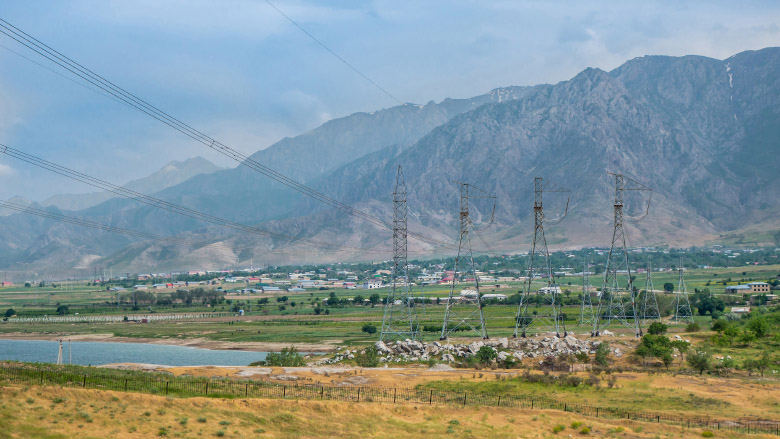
x=200, y=343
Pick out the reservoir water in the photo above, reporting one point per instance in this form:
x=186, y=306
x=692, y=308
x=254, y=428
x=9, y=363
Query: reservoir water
x=96, y=353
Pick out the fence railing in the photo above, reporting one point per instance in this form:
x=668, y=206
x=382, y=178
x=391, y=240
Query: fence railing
x=227, y=388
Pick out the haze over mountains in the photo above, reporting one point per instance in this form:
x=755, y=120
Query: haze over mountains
x=703, y=133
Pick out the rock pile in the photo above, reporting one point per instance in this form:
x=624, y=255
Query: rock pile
x=506, y=349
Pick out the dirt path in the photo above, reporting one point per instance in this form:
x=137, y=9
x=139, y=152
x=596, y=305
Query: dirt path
x=202, y=343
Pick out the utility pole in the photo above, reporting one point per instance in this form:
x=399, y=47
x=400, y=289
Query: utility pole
x=553, y=292
x=617, y=262
x=586, y=308
x=400, y=318
x=650, y=310
x=468, y=312
x=682, y=307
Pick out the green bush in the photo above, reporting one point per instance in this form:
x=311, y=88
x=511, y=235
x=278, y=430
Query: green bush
x=486, y=354
x=585, y=430
x=602, y=354
x=368, y=328
x=558, y=428
x=758, y=326
x=693, y=327
x=657, y=328
x=369, y=358
x=288, y=357
x=707, y=433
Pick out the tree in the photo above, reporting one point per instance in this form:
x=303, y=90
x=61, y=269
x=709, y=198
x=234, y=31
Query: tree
x=602, y=354
x=705, y=303
x=374, y=299
x=368, y=328
x=62, y=310
x=700, y=360
x=667, y=359
x=10, y=312
x=657, y=328
x=668, y=287
x=358, y=300
x=682, y=347
x=758, y=326
x=759, y=364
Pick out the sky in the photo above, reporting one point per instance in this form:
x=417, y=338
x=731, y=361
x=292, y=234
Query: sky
x=240, y=72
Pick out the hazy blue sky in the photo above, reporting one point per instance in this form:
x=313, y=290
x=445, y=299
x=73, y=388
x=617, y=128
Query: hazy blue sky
x=243, y=74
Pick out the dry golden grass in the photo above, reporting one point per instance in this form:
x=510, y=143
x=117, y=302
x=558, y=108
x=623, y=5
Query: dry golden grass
x=50, y=412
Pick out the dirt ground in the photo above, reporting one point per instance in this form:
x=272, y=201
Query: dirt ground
x=198, y=342
x=58, y=413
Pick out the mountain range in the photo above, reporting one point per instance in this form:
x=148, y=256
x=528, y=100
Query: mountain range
x=702, y=133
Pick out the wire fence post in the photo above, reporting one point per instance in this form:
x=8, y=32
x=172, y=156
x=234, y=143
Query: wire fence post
x=246, y=390
x=84, y=383
x=430, y=400
x=395, y=392
x=125, y=384
x=358, y=398
x=166, y=387
x=464, y=397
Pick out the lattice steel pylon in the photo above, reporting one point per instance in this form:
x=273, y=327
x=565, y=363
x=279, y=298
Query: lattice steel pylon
x=400, y=317
x=552, y=292
x=682, y=307
x=617, y=262
x=586, y=308
x=650, y=310
x=465, y=310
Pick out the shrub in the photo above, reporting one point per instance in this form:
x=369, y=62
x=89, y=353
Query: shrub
x=558, y=428
x=693, y=327
x=576, y=424
x=220, y=433
x=602, y=354
x=202, y=420
x=368, y=328
x=707, y=433
x=657, y=328
x=288, y=357
x=369, y=358
x=486, y=354
x=719, y=325
x=585, y=430
x=758, y=326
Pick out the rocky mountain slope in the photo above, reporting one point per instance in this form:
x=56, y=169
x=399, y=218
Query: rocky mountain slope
x=702, y=133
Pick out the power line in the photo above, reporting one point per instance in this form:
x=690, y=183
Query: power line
x=107, y=228
x=144, y=107
x=161, y=204
x=336, y=55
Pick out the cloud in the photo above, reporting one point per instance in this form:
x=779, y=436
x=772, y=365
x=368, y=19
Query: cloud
x=6, y=171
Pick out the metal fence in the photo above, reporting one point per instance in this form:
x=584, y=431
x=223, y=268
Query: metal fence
x=227, y=388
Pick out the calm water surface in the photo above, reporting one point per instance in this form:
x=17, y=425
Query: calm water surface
x=96, y=353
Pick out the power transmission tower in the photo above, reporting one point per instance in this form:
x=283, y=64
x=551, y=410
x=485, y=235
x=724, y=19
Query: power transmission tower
x=619, y=307
x=465, y=310
x=650, y=309
x=400, y=318
x=552, y=292
x=682, y=307
x=586, y=309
